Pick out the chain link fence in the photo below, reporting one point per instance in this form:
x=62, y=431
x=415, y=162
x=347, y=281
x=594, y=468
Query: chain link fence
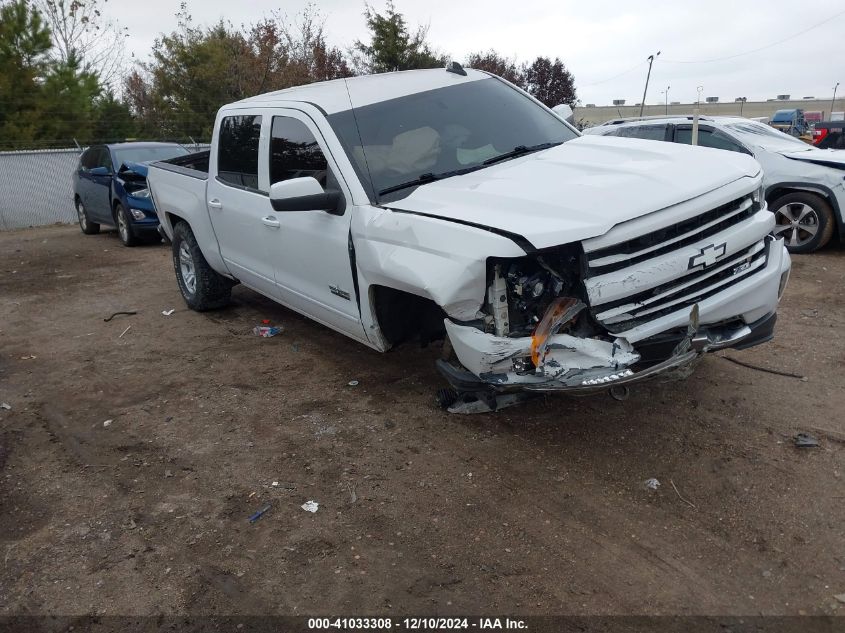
x=36, y=187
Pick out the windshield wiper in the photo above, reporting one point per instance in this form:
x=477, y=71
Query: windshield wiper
x=519, y=150
x=427, y=177
x=419, y=180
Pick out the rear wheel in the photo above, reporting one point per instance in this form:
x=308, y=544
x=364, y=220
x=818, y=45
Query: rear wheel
x=804, y=220
x=88, y=227
x=201, y=286
x=124, y=226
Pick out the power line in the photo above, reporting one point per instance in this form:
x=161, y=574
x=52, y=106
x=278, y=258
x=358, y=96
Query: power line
x=756, y=50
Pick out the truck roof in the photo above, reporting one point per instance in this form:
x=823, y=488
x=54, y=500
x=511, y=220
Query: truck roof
x=337, y=95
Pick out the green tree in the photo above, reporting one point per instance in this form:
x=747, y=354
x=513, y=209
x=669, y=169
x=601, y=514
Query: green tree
x=196, y=70
x=112, y=119
x=392, y=46
x=24, y=49
x=550, y=82
x=66, y=103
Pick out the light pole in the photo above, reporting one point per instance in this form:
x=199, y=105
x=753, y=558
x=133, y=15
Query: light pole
x=647, y=77
x=700, y=90
x=833, y=101
x=666, y=92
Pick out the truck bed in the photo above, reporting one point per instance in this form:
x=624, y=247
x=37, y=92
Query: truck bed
x=178, y=188
x=194, y=165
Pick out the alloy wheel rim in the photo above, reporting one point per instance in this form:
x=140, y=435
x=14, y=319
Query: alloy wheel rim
x=80, y=211
x=121, y=225
x=797, y=222
x=186, y=266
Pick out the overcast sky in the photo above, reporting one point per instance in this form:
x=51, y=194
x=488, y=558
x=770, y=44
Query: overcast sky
x=596, y=40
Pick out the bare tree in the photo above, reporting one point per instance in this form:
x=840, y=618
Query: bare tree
x=81, y=31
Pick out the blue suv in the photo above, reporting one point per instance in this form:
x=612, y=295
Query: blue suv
x=110, y=187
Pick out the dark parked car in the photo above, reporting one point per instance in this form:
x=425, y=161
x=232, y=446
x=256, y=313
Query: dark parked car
x=110, y=187
x=829, y=135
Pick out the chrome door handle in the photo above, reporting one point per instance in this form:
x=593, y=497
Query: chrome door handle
x=215, y=203
x=271, y=221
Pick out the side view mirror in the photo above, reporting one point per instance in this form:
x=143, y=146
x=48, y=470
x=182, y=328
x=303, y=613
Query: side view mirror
x=99, y=171
x=564, y=111
x=305, y=194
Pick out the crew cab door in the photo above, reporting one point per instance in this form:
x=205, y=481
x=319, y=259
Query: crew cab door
x=237, y=199
x=310, y=249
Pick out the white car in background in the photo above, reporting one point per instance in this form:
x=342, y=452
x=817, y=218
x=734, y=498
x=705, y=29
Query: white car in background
x=804, y=186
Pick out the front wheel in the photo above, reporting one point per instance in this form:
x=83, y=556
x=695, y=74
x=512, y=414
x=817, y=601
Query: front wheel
x=805, y=221
x=124, y=226
x=202, y=287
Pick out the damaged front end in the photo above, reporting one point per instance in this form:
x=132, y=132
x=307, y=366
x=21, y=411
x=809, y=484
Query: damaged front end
x=537, y=333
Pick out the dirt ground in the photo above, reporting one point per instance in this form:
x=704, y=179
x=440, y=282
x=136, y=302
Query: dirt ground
x=539, y=509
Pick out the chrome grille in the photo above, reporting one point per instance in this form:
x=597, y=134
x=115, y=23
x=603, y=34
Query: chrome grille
x=671, y=238
x=683, y=292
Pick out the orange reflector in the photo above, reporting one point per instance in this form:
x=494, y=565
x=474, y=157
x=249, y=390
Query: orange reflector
x=560, y=311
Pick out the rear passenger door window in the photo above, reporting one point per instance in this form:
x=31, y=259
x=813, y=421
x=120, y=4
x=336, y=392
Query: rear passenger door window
x=295, y=153
x=237, y=150
x=708, y=138
x=649, y=132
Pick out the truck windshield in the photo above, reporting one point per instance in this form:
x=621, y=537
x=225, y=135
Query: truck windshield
x=401, y=143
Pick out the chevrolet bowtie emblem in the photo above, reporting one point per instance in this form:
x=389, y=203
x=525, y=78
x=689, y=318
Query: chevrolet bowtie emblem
x=708, y=255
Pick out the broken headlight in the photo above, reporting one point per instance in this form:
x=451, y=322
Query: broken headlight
x=521, y=291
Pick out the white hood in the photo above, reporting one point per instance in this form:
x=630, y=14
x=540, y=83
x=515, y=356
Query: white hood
x=580, y=189
x=815, y=155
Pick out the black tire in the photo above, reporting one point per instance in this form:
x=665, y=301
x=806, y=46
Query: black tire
x=88, y=227
x=208, y=289
x=805, y=220
x=124, y=226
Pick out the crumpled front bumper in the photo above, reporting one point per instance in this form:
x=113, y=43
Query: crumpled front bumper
x=741, y=316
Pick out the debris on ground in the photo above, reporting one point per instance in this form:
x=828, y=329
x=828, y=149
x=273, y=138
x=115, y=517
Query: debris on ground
x=266, y=331
x=680, y=496
x=275, y=484
x=259, y=514
x=124, y=331
x=30, y=357
x=5, y=406
x=652, y=484
x=840, y=597
x=776, y=372
x=352, y=383
x=310, y=506
x=168, y=312
x=114, y=314
x=805, y=440
x=107, y=423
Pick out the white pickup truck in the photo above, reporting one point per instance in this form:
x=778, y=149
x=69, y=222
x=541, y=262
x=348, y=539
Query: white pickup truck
x=449, y=204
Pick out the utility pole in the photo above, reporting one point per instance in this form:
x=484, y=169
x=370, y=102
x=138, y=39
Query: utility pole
x=666, y=92
x=833, y=101
x=647, y=77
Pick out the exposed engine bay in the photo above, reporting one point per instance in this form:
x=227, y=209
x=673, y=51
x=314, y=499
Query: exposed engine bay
x=521, y=291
